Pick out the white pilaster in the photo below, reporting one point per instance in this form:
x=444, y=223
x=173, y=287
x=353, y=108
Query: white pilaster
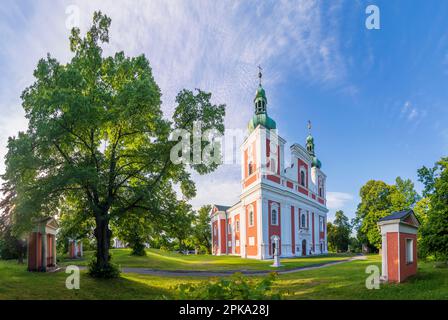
x=384, y=256
x=260, y=233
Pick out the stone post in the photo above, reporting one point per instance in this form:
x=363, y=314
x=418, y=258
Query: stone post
x=276, y=251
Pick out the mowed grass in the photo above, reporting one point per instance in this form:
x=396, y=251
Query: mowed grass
x=164, y=260
x=17, y=283
x=341, y=281
x=347, y=281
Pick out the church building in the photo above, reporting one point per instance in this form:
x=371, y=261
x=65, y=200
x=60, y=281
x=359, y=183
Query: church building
x=275, y=201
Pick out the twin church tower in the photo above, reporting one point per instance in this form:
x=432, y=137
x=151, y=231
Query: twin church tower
x=276, y=202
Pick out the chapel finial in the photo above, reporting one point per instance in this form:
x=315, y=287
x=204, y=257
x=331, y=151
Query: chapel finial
x=260, y=75
x=309, y=127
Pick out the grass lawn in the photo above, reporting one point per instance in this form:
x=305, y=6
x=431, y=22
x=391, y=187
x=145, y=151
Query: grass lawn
x=164, y=260
x=342, y=281
x=17, y=283
x=347, y=281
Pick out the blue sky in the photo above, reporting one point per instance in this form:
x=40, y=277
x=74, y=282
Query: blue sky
x=376, y=98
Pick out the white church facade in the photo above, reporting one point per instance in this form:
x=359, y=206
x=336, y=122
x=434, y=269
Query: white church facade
x=287, y=202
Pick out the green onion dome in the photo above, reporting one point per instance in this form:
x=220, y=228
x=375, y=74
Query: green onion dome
x=316, y=163
x=260, y=93
x=263, y=119
x=260, y=116
x=309, y=139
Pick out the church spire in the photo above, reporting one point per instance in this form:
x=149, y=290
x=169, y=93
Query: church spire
x=310, y=148
x=310, y=141
x=260, y=100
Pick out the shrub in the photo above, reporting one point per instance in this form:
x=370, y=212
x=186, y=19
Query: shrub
x=138, y=249
x=237, y=287
x=110, y=271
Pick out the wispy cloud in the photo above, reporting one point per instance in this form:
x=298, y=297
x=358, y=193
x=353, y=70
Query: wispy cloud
x=338, y=200
x=211, y=45
x=412, y=113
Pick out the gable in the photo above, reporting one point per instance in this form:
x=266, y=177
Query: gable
x=411, y=219
x=53, y=224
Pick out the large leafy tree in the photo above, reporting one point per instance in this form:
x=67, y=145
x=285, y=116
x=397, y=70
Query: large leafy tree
x=339, y=232
x=12, y=245
x=97, y=133
x=434, y=231
x=331, y=236
x=180, y=225
x=201, y=235
x=406, y=193
x=135, y=230
x=379, y=199
x=142, y=226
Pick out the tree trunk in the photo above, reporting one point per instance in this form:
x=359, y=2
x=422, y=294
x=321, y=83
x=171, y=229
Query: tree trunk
x=103, y=236
x=20, y=258
x=21, y=248
x=180, y=245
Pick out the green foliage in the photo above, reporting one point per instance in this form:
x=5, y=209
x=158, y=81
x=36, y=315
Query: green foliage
x=237, y=287
x=406, y=192
x=427, y=177
x=135, y=230
x=179, y=225
x=75, y=223
x=331, y=230
x=355, y=245
x=96, y=133
x=339, y=232
x=201, y=237
x=378, y=200
x=11, y=245
x=107, y=271
x=434, y=231
x=421, y=210
x=138, y=249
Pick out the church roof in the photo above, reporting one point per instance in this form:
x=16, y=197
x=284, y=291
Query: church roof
x=222, y=208
x=399, y=215
x=261, y=119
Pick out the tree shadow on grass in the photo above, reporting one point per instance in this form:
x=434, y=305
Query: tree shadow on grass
x=123, y=288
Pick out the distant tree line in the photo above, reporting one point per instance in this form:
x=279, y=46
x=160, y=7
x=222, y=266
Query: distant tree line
x=379, y=199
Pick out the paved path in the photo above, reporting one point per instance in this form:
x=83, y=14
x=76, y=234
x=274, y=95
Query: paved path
x=193, y=273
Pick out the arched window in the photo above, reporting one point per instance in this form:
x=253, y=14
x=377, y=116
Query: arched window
x=321, y=191
x=302, y=178
x=251, y=216
x=261, y=106
x=274, y=217
x=215, y=231
x=250, y=160
x=303, y=221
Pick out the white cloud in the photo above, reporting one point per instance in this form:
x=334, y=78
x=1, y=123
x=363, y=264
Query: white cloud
x=222, y=187
x=211, y=45
x=338, y=200
x=412, y=113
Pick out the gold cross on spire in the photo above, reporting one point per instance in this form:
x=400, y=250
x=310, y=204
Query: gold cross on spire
x=259, y=73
